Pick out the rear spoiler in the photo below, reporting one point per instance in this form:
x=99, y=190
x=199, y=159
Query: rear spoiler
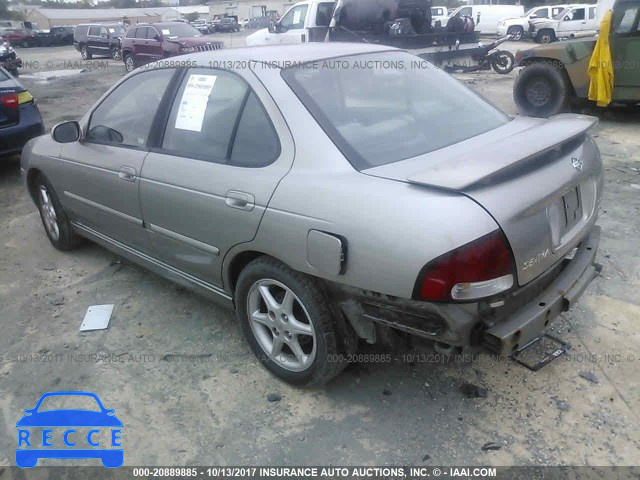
x=464, y=171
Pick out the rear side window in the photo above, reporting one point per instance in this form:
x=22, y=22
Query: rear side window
x=95, y=31
x=131, y=33
x=256, y=143
x=81, y=30
x=124, y=118
x=217, y=118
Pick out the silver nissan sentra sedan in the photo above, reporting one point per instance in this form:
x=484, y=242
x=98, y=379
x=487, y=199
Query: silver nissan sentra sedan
x=331, y=193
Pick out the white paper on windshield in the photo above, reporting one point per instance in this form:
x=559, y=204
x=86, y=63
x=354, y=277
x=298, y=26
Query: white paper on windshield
x=194, y=102
x=296, y=16
x=112, y=30
x=166, y=32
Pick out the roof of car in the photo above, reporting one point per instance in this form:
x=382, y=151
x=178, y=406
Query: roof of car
x=301, y=53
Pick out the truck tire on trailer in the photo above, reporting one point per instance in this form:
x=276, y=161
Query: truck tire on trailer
x=541, y=90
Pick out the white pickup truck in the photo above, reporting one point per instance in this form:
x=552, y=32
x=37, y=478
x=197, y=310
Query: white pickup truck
x=518, y=27
x=573, y=22
x=306, y=21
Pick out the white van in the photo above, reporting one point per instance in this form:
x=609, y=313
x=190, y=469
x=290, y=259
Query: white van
x=488, y=16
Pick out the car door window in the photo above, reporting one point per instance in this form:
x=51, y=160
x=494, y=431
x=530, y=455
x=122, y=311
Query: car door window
x=94, y=31
x=294, y=19
x=465, y=12
x=624, y=19
x=204, y=115
x=592, y=13
x=577, y=14
x=152, y=34
x=324, y=14
x=141, y=32
x=131, y=33
x=124, y=118
x=103, y=32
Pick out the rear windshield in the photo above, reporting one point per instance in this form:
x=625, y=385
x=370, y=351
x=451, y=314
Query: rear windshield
x=383, y=108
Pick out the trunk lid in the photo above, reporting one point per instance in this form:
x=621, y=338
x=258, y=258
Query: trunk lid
x=540, y=180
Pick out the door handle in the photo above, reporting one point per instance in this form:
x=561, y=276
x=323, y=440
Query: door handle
x=128, y=174
x=240, y=200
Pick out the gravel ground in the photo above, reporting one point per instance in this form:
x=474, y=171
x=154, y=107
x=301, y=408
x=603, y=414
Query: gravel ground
x=212, y=407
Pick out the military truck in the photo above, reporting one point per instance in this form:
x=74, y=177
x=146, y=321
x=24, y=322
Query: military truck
x=556, y=74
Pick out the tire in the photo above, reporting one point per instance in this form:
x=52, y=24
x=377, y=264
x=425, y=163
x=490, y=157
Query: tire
x=503, y=62
x=129, y=62
x=546, y=36
x=517, y=33
x=54, y=219
x=306, y=358
x=115, y=53
x=86, y=55
x=541, y=90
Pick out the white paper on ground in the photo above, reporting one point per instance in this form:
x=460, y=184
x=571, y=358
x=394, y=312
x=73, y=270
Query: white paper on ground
x=194, y=102
x=97, y=317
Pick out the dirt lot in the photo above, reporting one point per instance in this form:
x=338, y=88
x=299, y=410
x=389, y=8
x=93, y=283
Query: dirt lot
x=189, y=391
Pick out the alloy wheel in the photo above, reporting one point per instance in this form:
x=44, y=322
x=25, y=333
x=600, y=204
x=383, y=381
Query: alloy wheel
x=49, y=214
x=281, y=325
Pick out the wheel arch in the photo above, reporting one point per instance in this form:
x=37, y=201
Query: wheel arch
x=32, y=174
x=557, y=63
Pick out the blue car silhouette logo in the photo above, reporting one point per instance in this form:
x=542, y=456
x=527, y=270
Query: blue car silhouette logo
x=60, y=437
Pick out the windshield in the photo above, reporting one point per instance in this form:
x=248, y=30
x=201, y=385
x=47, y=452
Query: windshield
x=181, y=30
x=383, y=108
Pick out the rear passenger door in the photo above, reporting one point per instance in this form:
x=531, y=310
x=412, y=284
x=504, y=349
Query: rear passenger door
x=206, y=184
x=93, y=40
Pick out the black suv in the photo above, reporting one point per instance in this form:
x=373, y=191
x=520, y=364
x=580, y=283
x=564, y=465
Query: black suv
x=101, y=39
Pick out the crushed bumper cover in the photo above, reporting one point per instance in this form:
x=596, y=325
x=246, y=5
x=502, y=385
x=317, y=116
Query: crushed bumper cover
x=529, y=322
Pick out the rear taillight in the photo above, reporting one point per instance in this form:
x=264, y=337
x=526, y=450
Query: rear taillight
x=476, y=270
x=10, y=100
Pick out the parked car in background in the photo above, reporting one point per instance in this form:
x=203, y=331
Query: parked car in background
x=258, y=23
x=56, y=36
x=200, y=175
x=486, y=17
x=439, y=14
x=518, y=27
x=201, y=25
x=20, y=37
x=244, y=23
x=227, y=25
x=146, y=43
x=20, y=118
x=573, y=22
x=101, y=39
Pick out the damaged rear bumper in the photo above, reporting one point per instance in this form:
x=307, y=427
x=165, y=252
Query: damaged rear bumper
x=524, y=316
x=527, y=324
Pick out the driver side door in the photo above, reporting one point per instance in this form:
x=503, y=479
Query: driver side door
x=293, y=26
x=100, y=172
x=625, y=50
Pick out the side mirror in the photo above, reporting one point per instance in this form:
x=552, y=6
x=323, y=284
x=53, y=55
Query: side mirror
x=66, y=132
